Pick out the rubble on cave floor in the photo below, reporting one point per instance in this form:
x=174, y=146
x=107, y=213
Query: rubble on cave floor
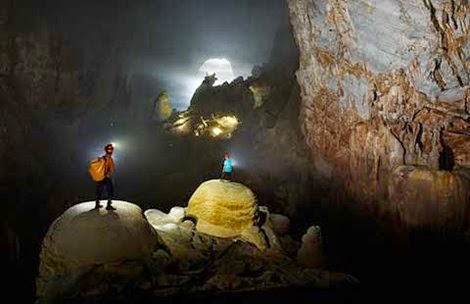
x=96, y=254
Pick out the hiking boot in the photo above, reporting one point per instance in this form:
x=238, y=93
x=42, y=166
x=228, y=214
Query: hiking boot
x=97, y=205
x=109, y=207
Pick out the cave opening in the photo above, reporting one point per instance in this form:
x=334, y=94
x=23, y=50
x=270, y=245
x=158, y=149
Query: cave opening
x=446, y=158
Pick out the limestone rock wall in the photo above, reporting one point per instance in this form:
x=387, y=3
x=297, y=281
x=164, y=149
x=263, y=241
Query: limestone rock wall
x=47, y=78
x=383, y=83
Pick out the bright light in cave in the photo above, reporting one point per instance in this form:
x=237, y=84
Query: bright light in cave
x=216, y=131
x=221, y=67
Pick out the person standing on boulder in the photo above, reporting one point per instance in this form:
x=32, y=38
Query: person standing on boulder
x=107, y=181
x=227, y=169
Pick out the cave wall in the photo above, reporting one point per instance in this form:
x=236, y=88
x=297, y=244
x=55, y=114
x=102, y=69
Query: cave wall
x=384, y=84
x=45, y=79
x=46, y=83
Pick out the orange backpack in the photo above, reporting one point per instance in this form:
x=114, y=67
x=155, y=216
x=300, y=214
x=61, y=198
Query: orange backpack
x=97, y=168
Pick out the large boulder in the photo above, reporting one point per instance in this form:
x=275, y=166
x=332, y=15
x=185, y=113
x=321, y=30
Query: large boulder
x=84, y=237
x=227, y=210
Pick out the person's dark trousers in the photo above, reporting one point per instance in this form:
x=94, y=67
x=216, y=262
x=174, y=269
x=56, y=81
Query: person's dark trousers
x=100, y=186
x=227, y=175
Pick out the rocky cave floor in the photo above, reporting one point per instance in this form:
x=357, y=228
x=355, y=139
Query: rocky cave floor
x=390, y=266
x=390, y=262
x=385, y=264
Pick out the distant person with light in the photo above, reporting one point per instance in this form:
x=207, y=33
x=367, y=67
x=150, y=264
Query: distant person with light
x=227, y=169
x=106, y=182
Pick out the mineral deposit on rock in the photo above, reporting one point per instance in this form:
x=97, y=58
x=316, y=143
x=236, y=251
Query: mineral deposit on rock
x=225, y=209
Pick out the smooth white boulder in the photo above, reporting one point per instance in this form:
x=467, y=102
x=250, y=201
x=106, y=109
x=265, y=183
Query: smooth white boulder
x=158, y=218
x=177, y=213
x=83, y=237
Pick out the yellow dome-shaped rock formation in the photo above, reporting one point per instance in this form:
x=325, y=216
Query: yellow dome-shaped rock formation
x=227, y=210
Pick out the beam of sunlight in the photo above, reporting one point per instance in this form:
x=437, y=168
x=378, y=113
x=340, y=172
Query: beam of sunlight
x=221, y=67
